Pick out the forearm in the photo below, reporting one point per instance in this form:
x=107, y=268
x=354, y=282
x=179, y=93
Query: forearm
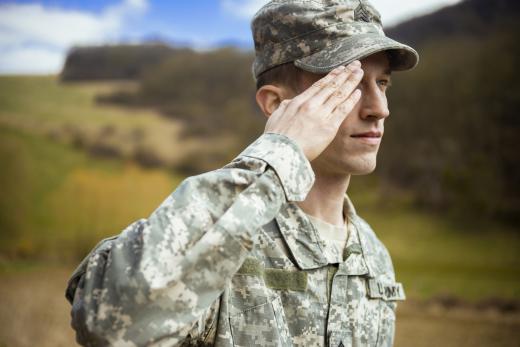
x=161, y=274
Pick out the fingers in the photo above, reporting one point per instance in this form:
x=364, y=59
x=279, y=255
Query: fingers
x=319, y=85
x=340, y=94
x=327, y=89
x=334, y=86
x=344, y=108
x=320, y=91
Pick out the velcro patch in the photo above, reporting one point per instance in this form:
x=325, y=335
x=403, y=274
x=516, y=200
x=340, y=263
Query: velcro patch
x=285, y=279
x=386, y=291
x=251, y=267
x=275, y=278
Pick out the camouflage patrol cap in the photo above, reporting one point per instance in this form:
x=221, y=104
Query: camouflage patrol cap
x=319, y=35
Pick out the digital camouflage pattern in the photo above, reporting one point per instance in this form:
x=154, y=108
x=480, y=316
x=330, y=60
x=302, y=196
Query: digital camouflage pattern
x=229, y=259
x=319, y=35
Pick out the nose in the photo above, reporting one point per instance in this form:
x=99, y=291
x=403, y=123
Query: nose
x=374, y=103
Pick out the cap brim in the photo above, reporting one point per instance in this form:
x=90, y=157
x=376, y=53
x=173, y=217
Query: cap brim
x=402, y=57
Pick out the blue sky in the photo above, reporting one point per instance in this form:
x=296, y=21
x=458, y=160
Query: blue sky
x=36, y=35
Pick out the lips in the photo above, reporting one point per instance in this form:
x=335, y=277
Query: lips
x=369, y=137
x=376, y=134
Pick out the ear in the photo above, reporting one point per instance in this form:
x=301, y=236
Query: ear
x=269, y=97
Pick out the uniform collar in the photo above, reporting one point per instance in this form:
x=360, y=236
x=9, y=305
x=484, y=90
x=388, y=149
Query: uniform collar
x=303, y=242
x=300, y=236
x=370, y=260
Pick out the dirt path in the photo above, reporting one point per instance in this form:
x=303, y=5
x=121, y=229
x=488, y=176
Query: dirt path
x=421, y=325
x=33, y=311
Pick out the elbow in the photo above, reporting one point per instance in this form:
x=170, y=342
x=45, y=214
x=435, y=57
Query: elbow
x=88, y=332
x=97, y=319
x=100, y=329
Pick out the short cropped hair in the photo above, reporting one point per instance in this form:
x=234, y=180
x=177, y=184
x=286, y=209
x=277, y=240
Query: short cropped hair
x=286, y=74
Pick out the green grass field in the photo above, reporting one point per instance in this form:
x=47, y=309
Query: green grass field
x=68, y=113
x=433, y=256
x=57, y=201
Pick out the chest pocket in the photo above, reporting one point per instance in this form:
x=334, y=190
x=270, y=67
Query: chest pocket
x=386, y=292
x=256, y=315
x=368, y=317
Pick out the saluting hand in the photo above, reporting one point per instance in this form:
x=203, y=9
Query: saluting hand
x=312, y=118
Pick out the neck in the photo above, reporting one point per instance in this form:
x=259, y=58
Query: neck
x=325, y=199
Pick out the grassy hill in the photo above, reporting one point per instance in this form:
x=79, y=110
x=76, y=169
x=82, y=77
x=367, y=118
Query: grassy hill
x=58, y=199
x=454, y=116
x=70, y=114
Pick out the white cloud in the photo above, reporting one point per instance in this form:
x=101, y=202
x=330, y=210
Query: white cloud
x=242, y=8
x=393, y=12
x=31, y=60
x=37, y=37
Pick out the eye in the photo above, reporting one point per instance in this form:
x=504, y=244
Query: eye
x=384, y=83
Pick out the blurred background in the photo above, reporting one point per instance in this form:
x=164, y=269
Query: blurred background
x=105, y=106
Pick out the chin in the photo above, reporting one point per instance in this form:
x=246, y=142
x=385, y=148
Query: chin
x=348, y=164
x=362, y=166
x=364, y=171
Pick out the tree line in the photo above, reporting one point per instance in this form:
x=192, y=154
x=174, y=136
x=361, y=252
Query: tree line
x=454, y=131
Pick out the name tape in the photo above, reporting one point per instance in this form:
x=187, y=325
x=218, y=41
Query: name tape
x=386, y=291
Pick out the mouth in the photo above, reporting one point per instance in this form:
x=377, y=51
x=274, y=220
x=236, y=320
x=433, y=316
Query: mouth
x=370, y=137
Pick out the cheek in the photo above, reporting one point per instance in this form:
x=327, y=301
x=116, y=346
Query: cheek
x=342, y=143
x=347, y=126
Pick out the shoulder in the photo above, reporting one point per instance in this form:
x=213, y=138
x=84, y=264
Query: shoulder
x=215, y=189
x=375, y=251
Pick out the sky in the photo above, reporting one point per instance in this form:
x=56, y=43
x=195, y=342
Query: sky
x=35, y=36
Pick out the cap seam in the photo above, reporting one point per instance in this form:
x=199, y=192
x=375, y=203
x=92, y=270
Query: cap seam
x=363, y=56
x=290, y=59
x=274, y=46
x=299, y=63
x=307, y=33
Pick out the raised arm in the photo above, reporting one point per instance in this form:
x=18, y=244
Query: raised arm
x=162, y=275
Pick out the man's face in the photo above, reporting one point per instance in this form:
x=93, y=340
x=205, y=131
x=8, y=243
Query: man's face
x=354, y=149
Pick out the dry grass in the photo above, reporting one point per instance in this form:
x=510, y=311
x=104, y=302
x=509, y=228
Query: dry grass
x=68, y=113
x=57, y=203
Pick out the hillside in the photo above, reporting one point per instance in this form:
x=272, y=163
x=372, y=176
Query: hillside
x=111, y=62
x=470, y=19
x=454, y=115
x=57, y=202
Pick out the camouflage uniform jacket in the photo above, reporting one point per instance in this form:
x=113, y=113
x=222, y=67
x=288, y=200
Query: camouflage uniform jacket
x=205, y=268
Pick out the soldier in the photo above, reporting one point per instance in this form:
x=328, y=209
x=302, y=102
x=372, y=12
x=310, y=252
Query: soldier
x=268, y=250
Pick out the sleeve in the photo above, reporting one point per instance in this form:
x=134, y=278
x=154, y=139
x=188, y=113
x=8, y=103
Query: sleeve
x=158, y=279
